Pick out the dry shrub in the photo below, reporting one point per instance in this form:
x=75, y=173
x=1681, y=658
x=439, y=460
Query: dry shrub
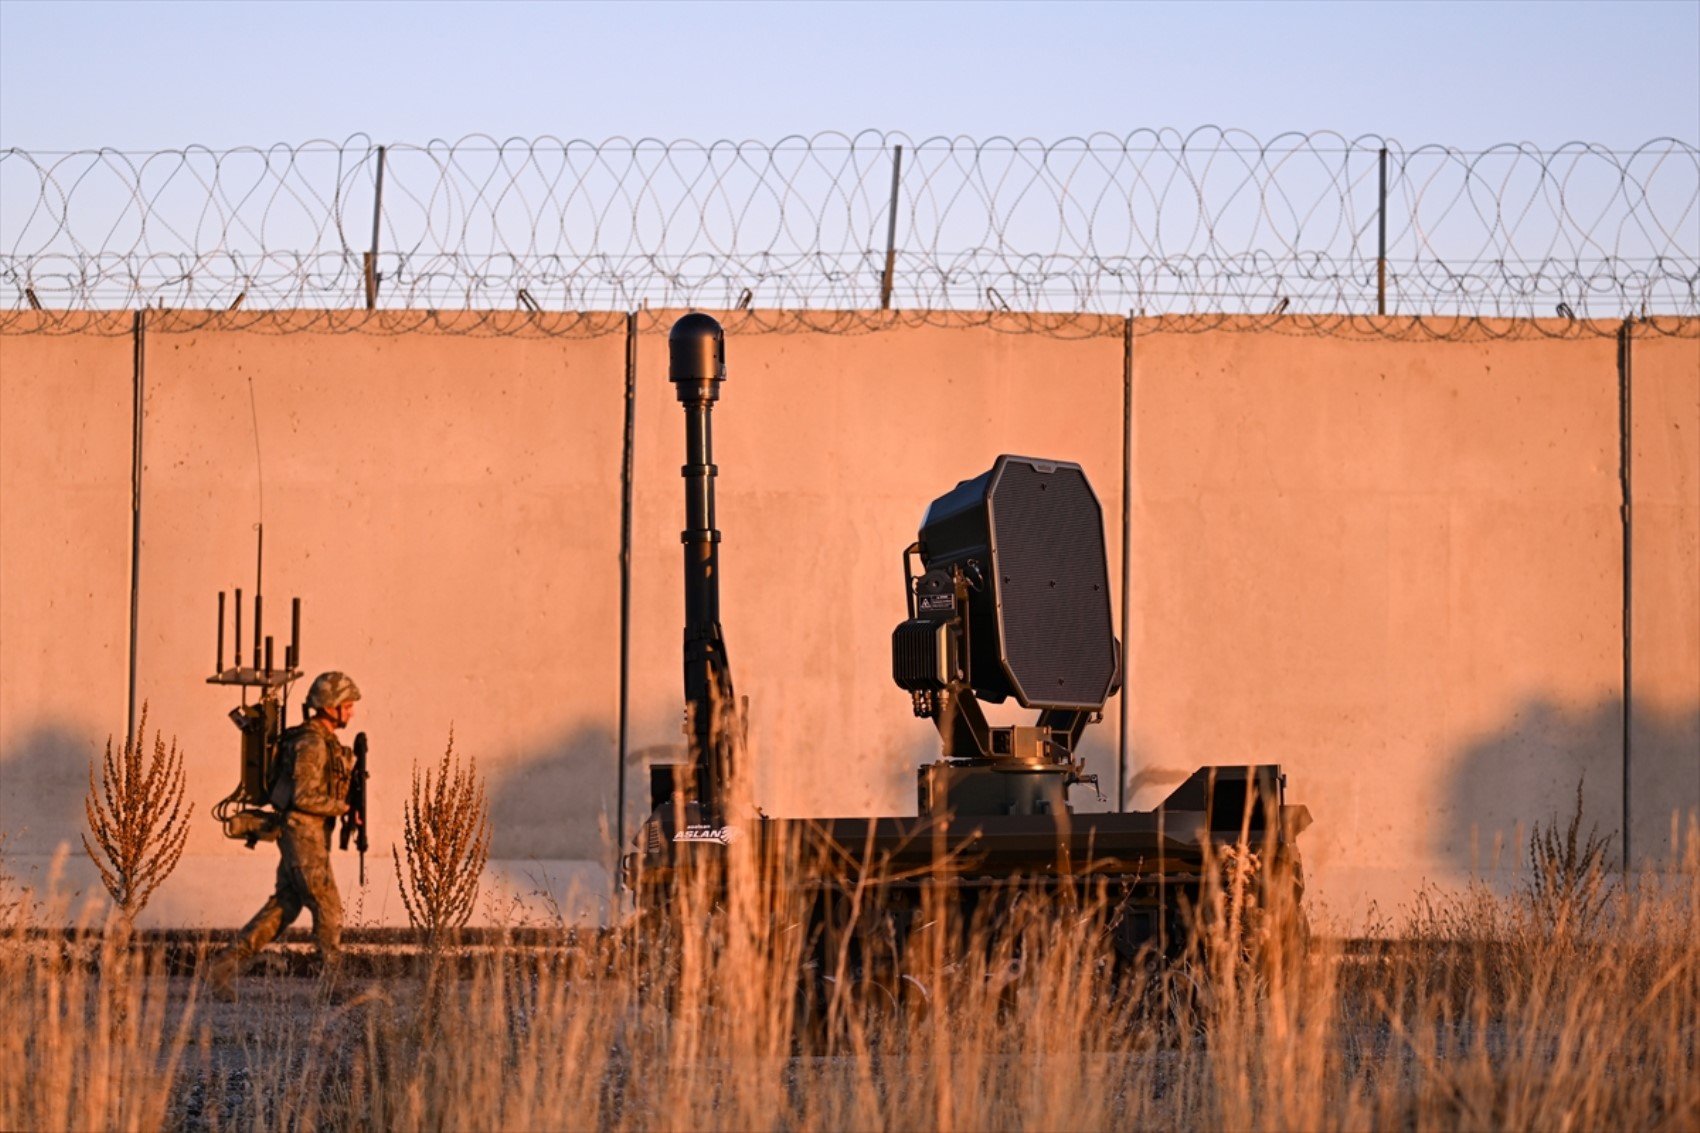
x=13, y=902
x=138, y=818
x=446, y=835
x=1569, y=885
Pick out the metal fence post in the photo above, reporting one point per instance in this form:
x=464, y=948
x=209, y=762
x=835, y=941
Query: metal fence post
x=138, y=395
x=1122, y=708
x=626, y=474
x=891, y=230
x=1381, y=243
x=372, y=256
x=1626, y=496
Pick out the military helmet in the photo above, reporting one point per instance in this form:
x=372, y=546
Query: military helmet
x=331, y=689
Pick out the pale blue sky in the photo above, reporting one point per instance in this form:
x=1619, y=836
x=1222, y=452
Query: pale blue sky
x=151, y=75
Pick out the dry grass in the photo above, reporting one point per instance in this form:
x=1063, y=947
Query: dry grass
x=1025, y=1027
x=1490, y=1013
x=138, y=818
x=86, y=1042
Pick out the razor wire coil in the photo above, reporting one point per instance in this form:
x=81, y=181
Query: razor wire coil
x=1188, y=227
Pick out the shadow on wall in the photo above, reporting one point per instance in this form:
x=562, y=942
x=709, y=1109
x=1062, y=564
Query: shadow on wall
x=44, y=778
x=1665, y=778
x=556, y=802
x=1528, y=772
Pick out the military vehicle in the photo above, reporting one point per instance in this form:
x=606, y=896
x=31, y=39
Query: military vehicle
x=1007, y=596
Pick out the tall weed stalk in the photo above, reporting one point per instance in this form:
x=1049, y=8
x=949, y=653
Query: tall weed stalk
x=446, y=843
x=138, y=818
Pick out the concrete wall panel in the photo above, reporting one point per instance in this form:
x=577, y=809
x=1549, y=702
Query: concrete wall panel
x=1393, y=569
x=65, y=425
x=447, y=508
x=1665, y=724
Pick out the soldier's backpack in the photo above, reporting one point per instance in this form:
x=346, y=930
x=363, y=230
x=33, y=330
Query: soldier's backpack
x=249, y=812
x=280, y=770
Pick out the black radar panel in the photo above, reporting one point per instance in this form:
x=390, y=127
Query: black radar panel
x=1029, y=535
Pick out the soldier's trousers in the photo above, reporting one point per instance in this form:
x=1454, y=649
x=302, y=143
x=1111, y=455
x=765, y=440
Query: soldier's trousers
x=304, y=881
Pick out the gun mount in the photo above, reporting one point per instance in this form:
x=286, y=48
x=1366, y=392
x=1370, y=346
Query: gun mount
x=1008, y=596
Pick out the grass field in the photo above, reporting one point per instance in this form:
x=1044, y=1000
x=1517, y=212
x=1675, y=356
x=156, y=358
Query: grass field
x=1574, y=1004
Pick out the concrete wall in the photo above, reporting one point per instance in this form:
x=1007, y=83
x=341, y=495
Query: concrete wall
x=1392, y=569
x=1394, y=566
x=65, y=464
x=447, y=508
x=1664, y=740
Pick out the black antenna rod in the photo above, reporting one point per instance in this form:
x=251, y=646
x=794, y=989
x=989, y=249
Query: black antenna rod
x=236, y=652
x=219, y=668
x=259, y=567
x=697, y=355
x=294, y=633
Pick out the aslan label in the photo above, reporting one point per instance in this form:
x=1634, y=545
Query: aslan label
x=702, y=832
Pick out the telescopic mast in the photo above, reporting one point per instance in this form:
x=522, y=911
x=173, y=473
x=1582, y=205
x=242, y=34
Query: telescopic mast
x=697, y=365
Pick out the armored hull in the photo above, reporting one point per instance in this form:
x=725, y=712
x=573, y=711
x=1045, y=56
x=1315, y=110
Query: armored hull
x=1148, y=865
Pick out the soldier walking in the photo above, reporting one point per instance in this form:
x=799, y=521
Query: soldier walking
x=310, y=792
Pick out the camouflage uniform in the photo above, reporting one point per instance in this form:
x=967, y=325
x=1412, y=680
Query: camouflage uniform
x=311, y=792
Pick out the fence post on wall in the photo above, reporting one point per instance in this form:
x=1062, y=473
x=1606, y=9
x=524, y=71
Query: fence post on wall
x=1625, y=453
x=377, y=218
x=1127, y=558
x=1381, y=242
x=891, y=230
x=138, y=377
x=626, y=463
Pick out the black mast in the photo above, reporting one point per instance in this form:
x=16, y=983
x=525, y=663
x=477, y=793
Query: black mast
x=697, y=353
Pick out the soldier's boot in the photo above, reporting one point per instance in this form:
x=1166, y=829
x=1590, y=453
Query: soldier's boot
x=333, y=978
x=222, y=973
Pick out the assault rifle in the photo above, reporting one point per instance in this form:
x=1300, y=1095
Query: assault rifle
x=354, y=822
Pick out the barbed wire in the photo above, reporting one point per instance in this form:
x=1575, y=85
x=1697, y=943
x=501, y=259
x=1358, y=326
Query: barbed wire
x=1189, y=228
x=509, y=324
